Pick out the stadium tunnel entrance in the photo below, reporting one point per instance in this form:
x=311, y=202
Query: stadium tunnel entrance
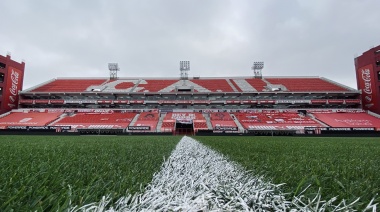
x=184, y=127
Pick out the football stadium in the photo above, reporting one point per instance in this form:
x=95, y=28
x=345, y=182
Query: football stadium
x=246, y=105
x=190, y=120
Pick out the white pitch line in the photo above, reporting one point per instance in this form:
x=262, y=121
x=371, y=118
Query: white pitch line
x=197, y=178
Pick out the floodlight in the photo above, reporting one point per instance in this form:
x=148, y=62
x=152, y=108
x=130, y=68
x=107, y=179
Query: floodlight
x=257, y=68
x=184, y=67
x=114, y=68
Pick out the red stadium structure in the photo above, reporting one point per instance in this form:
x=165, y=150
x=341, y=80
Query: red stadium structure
x=11, y=80
x=368, y=78
x=255, y=105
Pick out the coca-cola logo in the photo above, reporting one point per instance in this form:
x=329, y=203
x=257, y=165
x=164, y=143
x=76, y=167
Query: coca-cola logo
x=14, y=78
x=366, y=76
x=367, y=86
x=13, y=89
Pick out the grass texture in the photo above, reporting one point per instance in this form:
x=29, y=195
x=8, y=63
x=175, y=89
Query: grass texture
x=50, y=173
x=345, y=167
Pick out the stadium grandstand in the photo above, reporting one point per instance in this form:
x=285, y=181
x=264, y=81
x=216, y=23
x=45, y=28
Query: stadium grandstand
x=185, y=105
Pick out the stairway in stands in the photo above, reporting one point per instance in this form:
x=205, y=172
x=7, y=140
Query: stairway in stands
x=57, y=120
x=318, y=121
x=241, y=128
x=159, y=124
x=208, y=121
x=232, y=86
x=134, y=120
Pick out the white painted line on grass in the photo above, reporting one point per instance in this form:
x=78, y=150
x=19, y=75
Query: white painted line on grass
x=197, y=178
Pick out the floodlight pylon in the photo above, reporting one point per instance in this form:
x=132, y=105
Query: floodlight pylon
x=114, y=68
x=184, y=67
x=257, y=69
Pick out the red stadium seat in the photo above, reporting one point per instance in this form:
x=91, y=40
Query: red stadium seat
x=261, y=121
x=214, y=85
x=28, y=119
x=68, y=85
x=306, y=84
x=94, y=120
x=148, y=119
x=348, y=119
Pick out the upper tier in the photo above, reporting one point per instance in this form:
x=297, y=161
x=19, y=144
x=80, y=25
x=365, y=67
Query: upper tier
x=203, y=85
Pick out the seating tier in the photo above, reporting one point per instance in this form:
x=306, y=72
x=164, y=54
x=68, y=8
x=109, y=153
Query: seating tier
x=348, y=119
x=306, y=84
x=273, y=121
x=222, y=120
x=258, y=84
x=214, y=85
x=148, y=119
x=68, y=85
x=28, y=119
x=97, y=120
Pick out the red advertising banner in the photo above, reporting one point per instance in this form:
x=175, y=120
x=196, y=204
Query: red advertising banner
x=335, y=101
x=352, y=101
x=366, y=81
x=14, y=84
x=248, y=102
x=57, y=101
x=232, y=102
x=26, y=101
x=104, y=101
x=137, y=102
x=267, y=101
x=41, y=101
x=318, y=101
x=121, y=101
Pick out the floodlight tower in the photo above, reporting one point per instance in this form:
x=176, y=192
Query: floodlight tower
x=184, y=67
x=257, y=68
x=114, y=68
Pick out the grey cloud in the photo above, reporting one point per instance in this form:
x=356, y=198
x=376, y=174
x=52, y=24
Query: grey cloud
x=220, y=37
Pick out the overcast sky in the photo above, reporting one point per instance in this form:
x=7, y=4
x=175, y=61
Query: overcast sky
x=78, y=38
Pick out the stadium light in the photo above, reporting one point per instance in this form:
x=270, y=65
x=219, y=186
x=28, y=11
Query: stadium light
x=114, y=68
x=184, y=67
x=257, y=69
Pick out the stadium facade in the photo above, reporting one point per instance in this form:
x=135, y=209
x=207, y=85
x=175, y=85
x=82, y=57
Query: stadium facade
x=367, y=68
x=254, y=104
x=11, y=81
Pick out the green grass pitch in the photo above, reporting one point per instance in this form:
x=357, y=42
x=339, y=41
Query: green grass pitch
x=47, y=172
x=345, y=167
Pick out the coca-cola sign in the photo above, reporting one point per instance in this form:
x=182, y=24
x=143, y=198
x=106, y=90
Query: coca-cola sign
x=366, y=81
x=366, y=77
x=14, y=84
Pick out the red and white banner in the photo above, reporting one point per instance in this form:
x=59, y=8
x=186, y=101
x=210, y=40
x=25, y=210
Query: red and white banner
x=26, y=101
x=267, y=101
x=352, y=101
x=366, y=82
x=57, y=101
x=41, y=101
x=14, y=84
x=335, y=101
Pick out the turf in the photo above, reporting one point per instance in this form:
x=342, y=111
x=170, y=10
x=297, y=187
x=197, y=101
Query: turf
x=46, y=173
x=345, y=167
